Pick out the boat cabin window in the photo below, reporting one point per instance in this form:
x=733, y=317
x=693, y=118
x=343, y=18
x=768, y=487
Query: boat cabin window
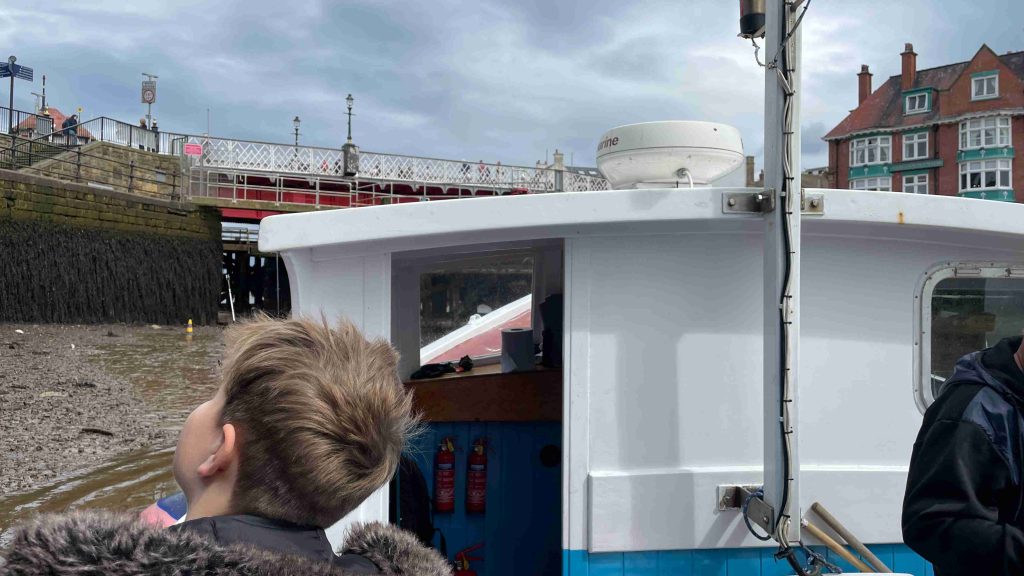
x=466, y=303
x=966, y=308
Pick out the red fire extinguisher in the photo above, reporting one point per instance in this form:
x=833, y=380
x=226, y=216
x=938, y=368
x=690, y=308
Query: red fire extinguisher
x=462, y=559
x=444, y=477
x=476, y=478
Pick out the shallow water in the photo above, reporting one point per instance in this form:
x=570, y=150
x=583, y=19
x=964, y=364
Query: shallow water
x=172, y=374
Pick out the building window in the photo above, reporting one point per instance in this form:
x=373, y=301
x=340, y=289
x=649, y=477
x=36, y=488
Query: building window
x=881, y=184
x=984, y=133
x=964, y=307
x=873, y=150
x=915, y=146
x=916, y=103
x=915, y=184
x=985, y=175
x=985, y=87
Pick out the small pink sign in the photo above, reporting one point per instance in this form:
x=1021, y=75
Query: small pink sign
x=193, y=149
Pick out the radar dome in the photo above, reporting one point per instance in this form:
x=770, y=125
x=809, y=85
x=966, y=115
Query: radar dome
x=669, y=154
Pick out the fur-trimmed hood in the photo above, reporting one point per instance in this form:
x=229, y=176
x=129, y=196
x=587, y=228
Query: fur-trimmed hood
x=93, y=543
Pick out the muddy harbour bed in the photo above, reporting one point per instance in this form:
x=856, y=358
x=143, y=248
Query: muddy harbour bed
x=89, y=414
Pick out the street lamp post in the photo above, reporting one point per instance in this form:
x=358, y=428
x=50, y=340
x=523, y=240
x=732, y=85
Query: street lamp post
x=296, y=122
x=349, y=100
x=349, y=150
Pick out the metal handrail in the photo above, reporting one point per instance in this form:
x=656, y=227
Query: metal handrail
x=23, y=148
x=233, y=186
x=253, y=156
x=274, y=158
x=44, y=124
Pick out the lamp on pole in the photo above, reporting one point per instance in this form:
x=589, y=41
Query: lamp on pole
x=349, y=100
x=296, y=122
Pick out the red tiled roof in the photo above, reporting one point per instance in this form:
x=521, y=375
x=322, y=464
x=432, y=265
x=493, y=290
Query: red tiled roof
x=58, y=120
x=884, y=107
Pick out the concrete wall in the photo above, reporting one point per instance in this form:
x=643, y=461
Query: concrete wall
x=73, y=253
x=154, y=175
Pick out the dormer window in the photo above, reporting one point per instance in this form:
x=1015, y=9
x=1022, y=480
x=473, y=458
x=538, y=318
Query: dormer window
x=985, y=85
x=916, y=103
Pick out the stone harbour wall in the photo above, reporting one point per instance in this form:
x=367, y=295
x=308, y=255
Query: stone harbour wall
x=153, y=175
x=71, y=253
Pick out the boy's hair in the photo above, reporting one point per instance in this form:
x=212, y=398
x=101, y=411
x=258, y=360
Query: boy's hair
x=322, y=417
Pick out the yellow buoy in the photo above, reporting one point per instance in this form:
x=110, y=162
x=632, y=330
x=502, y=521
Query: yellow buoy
x=188, y=330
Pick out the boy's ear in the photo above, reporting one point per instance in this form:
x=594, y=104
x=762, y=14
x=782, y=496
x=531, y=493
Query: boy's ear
x=225, y=454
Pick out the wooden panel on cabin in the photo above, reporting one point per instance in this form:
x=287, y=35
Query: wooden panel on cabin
x=486, y=395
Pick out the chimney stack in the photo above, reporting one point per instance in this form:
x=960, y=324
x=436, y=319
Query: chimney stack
x=864, y=84
x=909, y=75
x=750, y=171
x=559, y=160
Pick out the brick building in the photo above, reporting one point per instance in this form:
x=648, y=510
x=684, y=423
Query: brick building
x=949, y=130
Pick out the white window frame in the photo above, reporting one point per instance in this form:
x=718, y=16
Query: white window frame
x=990, y=132
x=920, y=100
x=876, y=146
x=914, y=141
x=879, y=184
x=913, y=182
x=923, y=314
x=982, y=167
x=982, y=82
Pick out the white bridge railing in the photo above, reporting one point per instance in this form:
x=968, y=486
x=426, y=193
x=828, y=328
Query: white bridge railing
x=281, y=159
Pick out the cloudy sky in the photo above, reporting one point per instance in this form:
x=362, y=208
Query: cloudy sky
x=485, y=79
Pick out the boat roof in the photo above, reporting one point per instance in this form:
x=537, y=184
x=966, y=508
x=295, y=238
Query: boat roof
x=426, y=225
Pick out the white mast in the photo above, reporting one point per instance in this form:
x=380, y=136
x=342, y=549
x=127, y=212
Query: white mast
x=782, y=266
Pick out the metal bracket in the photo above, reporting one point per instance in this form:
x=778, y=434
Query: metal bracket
x=731, y=497
x=748, y=202
x=764, y=203
x=812, y=204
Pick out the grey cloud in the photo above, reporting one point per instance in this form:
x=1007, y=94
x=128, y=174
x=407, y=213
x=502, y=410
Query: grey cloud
x=492, y=79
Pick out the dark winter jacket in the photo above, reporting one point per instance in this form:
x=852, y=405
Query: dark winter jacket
x=276, y=536
x=96, y=543
x=963, y=506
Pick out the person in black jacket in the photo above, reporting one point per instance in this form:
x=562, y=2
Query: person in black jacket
x=963, y=506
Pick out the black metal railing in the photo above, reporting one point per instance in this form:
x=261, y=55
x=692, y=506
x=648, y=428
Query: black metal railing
x=114, y=131
x=24, y=123
x=72, y=164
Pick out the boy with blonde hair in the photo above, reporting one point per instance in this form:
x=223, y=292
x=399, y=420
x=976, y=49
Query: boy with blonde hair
x=307, y=423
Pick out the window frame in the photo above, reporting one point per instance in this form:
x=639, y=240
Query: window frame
x=966, y=130
x=924, y=107
x=965, y=169
x=878, y=179
x=917, y=137
x=982, y=80
x=455, y=262
x=917, y=176
x=854, y=148
x=923, y=395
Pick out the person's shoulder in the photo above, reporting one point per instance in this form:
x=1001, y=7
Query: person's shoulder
x=954, y=400
x=394, y=551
